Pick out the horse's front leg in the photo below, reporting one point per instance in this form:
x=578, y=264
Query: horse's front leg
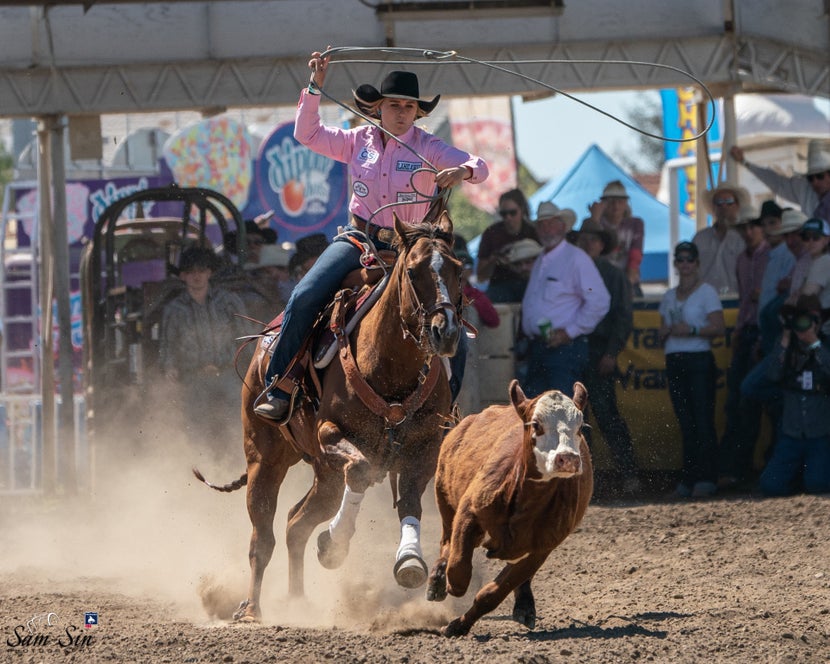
x=410, y=568
x=333, y=543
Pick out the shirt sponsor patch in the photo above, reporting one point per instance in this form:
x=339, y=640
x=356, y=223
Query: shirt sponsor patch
x=360, y=189
x=408, y=166
x=407, y=197
x=368, y=156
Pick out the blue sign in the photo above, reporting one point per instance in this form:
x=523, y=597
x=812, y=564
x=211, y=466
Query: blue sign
x=307, y=191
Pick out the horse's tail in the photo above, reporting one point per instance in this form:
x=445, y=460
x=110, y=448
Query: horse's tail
x=227, y=488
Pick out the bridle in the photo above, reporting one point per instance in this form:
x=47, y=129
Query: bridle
x=423, y=314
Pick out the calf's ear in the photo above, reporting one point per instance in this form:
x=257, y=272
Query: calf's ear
x=518, y=399
x=580, y=396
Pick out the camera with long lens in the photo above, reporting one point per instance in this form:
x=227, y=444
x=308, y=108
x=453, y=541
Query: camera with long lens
x=799, y=321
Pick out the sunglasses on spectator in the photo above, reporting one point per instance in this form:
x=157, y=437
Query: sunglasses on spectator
x=256, y=241
x=817, y=176
x=685, y=259
x=509, y=213
x=724, y=201
x=811, y=237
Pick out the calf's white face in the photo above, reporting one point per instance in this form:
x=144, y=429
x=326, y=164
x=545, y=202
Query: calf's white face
x=555, y=428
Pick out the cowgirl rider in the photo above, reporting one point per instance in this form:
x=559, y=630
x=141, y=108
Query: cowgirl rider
x=381, y=172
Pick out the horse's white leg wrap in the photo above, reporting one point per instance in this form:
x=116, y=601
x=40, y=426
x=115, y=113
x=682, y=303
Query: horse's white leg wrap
x=410, y=538
x=342, y=526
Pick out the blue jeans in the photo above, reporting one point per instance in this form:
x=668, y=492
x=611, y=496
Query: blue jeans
x=743, y=413
x=602, y=397
x=797, y=463
x=555, y=368
x=692, y=383
x=314, y=291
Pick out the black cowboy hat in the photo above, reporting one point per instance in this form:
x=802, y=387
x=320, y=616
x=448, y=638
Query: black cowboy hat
x=396, y=85
x=608, y=236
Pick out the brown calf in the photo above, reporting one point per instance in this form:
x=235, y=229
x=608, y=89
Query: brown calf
x=515, y=480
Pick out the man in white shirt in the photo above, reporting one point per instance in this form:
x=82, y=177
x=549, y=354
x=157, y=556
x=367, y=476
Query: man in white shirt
x=564, y=301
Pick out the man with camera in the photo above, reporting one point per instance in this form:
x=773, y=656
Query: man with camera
x=800, y=366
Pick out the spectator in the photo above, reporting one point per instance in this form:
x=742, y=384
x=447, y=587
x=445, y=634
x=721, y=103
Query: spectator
x=814, y=240
x=811, y=190
x=255, y=238
x=199, y=333
x=803, y=253
x=775, y=280
x=270, y=283
x=514, y=225
x=613, y=212
x=755, y=386
x=691, y=316
x=518, y=258
x=720, y=244
x=487, y=313
x=817, y=232
x=604, y=344
x=743, y=414
x=800, y=365
x=309, y=249
x=564, y=301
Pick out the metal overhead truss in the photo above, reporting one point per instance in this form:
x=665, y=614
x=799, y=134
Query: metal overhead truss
x=750, y=64
x=76, y=58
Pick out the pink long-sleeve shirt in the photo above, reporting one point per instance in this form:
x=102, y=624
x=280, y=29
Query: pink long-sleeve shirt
x=382, y=174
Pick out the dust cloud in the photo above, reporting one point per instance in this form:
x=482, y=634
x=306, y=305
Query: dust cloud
x=148, y=528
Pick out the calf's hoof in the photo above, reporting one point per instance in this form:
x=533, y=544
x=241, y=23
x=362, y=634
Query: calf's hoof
x=330, y=554
x=525, y=615
x=437, y=588
x=455, y=628
x=410, y=571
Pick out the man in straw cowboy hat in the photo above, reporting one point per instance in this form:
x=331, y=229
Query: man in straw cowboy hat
x=604, y=344
x=385, y=170
x=564, y=301
x=519, y=257
x=719, y=244
x=811, y=190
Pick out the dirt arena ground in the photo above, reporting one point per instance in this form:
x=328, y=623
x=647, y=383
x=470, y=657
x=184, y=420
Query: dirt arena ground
x=161, y=560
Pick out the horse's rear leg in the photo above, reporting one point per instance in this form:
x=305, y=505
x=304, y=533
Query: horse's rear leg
x=263, y=486
x=319, y=504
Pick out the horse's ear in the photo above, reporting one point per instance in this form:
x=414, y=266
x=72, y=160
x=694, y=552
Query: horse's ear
x=580, y=396
x=400, y=228
x=517, y=395
x=445, y=223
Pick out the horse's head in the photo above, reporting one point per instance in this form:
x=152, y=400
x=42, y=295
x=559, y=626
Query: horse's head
x=430, y=284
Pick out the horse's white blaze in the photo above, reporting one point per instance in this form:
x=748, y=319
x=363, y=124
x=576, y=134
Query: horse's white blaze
x=561, y=421
x=410, y=538
x=437, y=263
x=342, y=526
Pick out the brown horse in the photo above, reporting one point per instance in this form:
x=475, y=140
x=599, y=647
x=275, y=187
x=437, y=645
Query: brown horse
x=382, y=409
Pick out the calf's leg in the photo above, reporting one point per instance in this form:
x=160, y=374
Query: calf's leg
x=493, y=593
x=524, y=606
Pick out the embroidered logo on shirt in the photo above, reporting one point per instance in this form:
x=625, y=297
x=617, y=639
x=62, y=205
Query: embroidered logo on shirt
x=360, y=189
x=408, y=166
x=368, y=156
x=407, y=197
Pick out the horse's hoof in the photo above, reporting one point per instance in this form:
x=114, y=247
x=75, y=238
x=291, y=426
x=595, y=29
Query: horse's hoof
x=330, y=554
x=246, y=613
x=525, y=615
x=411, y=571
x=455, y=628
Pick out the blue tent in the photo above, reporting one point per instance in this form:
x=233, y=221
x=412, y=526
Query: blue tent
x=583, y=183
